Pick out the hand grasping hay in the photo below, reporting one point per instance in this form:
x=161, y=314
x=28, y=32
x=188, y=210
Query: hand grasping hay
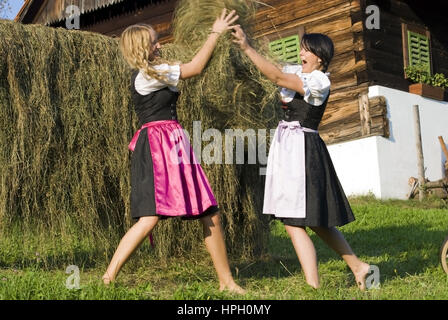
x=230, y=94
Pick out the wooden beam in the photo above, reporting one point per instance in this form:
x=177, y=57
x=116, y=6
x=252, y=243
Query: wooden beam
x=442, y=183
x=420, y=161
x=363, y=101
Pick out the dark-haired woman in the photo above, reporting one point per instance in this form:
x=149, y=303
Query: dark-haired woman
x=302, y=188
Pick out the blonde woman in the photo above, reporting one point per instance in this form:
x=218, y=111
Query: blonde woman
x=166, y=183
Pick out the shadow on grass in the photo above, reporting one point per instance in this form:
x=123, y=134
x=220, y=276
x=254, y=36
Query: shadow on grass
x=83, y=258
x=398, y=251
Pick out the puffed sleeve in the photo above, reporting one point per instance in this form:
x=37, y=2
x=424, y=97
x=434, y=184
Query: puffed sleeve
x=145, y=86
x=316, y=86
x=286, y=94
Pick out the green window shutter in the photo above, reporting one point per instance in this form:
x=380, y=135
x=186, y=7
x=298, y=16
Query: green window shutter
x=286, y=49
x=418, y=48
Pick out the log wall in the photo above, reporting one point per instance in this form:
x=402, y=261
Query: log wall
x=350, y=114
x=384, y=47
x=157, y=15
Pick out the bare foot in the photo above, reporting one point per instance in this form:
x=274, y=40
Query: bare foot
x=106, y=279
x=360, y=276
x=232, y=288
x=314, y=285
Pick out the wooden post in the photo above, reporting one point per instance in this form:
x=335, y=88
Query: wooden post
x=420, y=163
x=445, y=151
x=442, y=144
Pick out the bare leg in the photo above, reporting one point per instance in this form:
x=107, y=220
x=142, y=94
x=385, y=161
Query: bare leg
x=214, y=241
x=335, y=240
x=130, y=241
x=306, y=253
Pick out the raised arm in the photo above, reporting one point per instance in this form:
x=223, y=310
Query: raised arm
x=199, y=61
x=271, y=71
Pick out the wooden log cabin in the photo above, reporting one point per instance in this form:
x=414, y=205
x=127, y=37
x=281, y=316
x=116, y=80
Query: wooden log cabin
x=363, y=56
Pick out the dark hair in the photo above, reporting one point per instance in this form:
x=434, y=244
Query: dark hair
x=319, y=44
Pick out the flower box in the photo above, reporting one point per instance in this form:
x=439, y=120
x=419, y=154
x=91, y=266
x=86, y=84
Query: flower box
x=427, y=91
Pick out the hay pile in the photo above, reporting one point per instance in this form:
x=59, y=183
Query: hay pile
x=67, y=117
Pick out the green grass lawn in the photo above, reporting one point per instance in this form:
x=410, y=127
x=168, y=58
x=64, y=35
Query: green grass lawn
x=402, y=238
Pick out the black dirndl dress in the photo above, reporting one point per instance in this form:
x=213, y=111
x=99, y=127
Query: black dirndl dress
x=166, y=179
x=324, y=201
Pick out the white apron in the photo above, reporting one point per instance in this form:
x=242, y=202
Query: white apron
x=285, y=188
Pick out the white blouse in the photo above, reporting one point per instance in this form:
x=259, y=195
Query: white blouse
x=316, y=85
x=145, y=86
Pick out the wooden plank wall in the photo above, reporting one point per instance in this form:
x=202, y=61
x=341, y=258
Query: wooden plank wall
x=157, y=15
x=349, y=114
x=111, y=17
x=384, y=48
x=54, y=10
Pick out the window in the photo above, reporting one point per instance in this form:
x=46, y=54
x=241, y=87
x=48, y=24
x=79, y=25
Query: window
x=416, y=47
x=286, y=49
